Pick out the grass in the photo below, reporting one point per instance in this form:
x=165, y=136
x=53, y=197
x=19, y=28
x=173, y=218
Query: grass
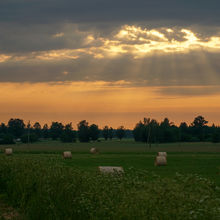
x=42, y=185
x=43, y=190
x=114, y=146
x=205, y=164
x=199, y=158
x=6, y=211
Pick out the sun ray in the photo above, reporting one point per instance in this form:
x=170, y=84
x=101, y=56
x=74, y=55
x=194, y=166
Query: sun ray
x=129, y=40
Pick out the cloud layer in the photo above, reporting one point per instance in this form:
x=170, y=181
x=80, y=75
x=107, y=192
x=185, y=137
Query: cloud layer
x=47, y=11
x=143, y=43
x=127, y=59
x=142, y=56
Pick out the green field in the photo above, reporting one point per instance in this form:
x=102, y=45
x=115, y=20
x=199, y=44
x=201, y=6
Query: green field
x=114, y=146
x=199, y=158
x=192, y=161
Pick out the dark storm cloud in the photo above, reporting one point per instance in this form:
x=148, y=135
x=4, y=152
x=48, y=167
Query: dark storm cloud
x=28, y=27
x=43, y=11
x=38, y=37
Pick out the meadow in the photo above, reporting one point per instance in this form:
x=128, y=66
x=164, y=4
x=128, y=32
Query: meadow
x=38, y=182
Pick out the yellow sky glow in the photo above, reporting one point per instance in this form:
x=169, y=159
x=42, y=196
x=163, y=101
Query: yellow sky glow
x=97, y=98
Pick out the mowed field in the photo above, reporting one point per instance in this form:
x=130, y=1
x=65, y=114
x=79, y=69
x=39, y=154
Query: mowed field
x=184, y=158
x=37, y=183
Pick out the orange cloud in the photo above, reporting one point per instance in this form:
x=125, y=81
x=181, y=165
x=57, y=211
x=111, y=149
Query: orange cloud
x=4, y=58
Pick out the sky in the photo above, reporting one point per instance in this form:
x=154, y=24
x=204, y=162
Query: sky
x=109, y=62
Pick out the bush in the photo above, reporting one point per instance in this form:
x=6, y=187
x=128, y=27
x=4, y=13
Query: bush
x=68, y=137
x=6, y=139
x=67, y=193
x=194, y=139
x=216, y=137
x=32, y=138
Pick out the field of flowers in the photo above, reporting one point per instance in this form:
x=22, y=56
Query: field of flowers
x=49, y=188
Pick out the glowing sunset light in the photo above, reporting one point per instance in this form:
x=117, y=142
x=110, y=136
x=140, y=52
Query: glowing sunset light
x=4, y=58
x=109, y=63
x=58, y=35
x=131, y=40
x=101, y=97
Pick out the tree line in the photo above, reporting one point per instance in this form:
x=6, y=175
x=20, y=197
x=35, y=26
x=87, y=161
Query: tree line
x=148, y=131
x=17, y=131
x=151, y=131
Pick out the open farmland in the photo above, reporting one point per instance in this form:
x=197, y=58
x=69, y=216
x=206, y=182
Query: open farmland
x=114, y=146
x=199, y=158
x=192, y=177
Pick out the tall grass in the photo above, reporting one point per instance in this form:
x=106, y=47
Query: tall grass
x=42, y=190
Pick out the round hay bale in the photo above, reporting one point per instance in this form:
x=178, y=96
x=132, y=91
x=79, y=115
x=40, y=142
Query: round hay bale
x=164, y=154
x=111, y=170
x=67, y=155
x=8, y=151
x=160, y=161
x=94, y=150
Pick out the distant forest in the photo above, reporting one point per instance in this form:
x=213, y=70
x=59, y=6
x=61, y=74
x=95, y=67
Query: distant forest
x=148, y=131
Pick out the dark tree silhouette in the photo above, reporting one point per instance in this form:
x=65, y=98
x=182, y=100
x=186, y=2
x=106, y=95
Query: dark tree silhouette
x=153, y=131
x=120, y=132
x=45, y=131
x=184, y=132
x=216, y=136
x=56, y=130
x=105, y=132
x=83, y=131
x=146, y=131
x=166, y=123
x=68, y=135
x=199, y=122
x=37, y=129
x=110, y=133
x=199, y=125
x=16, y=127
x=184, y=127
x=3, y=128
x=137, y=132
x=94, y=132
x=6, y=139
x=29, y=138
x=150, y=131
x=168, y=131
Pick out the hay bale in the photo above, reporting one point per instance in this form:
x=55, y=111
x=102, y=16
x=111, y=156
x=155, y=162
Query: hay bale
x=8, y=151
x=67, y=155
x=111, y=170
x=94, y=150
x=163, y=154
x=160, y=161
